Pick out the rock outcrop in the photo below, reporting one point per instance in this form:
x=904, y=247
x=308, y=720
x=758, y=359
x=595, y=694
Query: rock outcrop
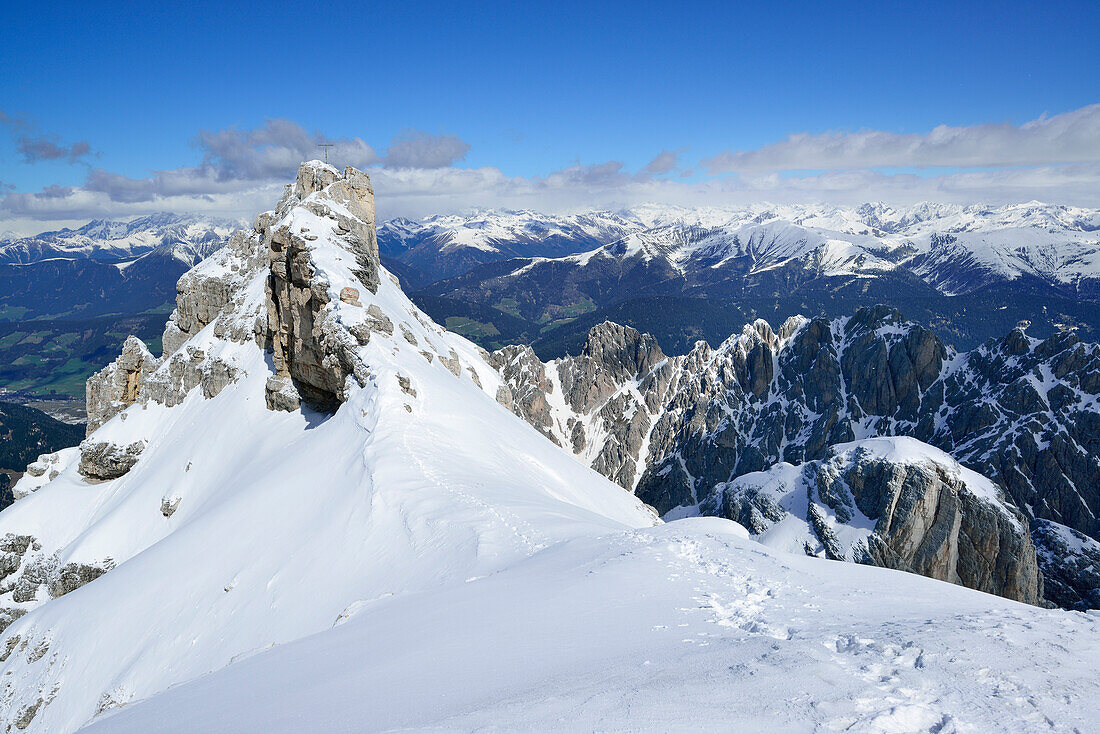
x=104, y=460
x=1023, y=412
x=312, y=354
x=890, y=502
x=118, y=385
x=601, y=405
x=1071, y=565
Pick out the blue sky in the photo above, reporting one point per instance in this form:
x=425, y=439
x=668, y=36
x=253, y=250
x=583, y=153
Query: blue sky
x=522, y=92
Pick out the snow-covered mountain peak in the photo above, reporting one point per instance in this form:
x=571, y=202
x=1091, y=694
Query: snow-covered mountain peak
x=309, y=444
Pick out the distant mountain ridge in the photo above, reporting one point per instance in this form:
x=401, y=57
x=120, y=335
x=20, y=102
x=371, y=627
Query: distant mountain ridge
x=190, y=237
x=957, y=269
x=682, y=274
x=988, y=243
x=104, y=267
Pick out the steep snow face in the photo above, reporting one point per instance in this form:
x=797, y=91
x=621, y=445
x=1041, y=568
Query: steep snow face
x=188, y=238
x=239, y=527
x=685, y=626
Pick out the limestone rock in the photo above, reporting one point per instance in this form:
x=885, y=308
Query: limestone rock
x=590, y=387
x=350, y=296
x=118, y=385
x=103, y=460
x=72, y=576
x=309, y=346
x=281, y=394
x=169, y=505
x=927, y=515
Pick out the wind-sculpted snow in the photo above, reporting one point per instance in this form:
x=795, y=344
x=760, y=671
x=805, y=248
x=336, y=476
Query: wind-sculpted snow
x=684, y=627
x=1022, y=412
x=237, y=527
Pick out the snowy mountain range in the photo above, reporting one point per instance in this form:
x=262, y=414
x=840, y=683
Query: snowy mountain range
x=953, y=248
x=189, y=238
x=104, y=267
x=320, y=510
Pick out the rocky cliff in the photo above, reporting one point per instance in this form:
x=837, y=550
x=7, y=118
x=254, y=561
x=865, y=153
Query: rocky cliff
x=1024, y=412
x=1071, y=565
x=890, y=502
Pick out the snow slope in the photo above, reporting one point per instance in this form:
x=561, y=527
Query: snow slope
x=684, y=627
x=282, y=521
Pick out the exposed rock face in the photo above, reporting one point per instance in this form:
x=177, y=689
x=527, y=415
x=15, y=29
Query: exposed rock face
x=310, y=350
x=72, y=576
x=118, y=385
x=1024, y=413
x=204, y=297
x=601, y=404
x=25, y=568
x=526, y=387
x=895, y=503
x=312, y=353
x=1070, y=561
x=104, y=460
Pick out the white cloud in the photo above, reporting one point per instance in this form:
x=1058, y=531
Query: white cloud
x=1065, y=138
x=242, y=173
x=35, y=145
x=418, y=192
x=665, y=162
x=416, y=149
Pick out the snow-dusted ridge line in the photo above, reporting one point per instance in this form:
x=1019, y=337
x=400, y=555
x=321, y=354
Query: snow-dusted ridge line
x=953, y=248
x=239, y=527
x=188, y=237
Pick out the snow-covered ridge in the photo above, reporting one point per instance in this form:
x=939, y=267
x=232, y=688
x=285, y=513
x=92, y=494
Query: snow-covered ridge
x=954, y=248
x=490, y=230
x=217, y=521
